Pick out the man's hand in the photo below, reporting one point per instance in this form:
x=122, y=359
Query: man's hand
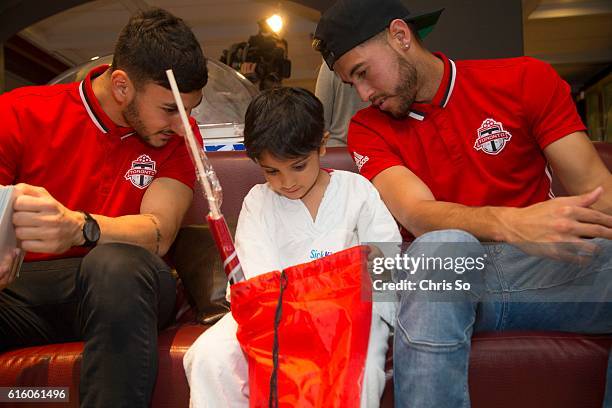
x=7, y=270
x=558, y=227
x=248, y=68
x=43, y=224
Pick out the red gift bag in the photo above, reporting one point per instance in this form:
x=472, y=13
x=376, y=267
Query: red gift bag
x=323, y=316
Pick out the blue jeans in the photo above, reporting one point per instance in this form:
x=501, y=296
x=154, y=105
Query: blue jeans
x=515, y=291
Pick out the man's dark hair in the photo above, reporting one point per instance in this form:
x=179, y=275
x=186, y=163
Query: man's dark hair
x=285, y=122
x=154, y=41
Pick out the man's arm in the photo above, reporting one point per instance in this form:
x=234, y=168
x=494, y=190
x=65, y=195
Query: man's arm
x=161, y=213
x=44, y=225
x=412, y=203
x=580, y=169
x=565, y=219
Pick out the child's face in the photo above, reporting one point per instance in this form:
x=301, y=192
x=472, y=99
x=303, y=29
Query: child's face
x=292, y=178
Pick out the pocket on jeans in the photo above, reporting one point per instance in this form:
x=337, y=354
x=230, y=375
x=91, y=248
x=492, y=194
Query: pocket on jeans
x=446, y=325
x=527, y=272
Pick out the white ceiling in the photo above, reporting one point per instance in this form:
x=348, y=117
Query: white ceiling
x=573, y=35
x=80, y=33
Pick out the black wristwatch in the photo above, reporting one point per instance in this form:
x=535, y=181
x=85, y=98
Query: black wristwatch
x=91, y=231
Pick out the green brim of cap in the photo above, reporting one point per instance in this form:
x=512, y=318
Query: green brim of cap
x=425, y=23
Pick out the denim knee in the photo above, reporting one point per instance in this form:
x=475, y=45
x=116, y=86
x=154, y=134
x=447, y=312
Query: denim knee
x=118, y=264
x=434, y=319
x=449, y=235
x=115, y=276
x=435, y=326
x=446, y=254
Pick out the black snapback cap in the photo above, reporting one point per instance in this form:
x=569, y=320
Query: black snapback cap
x=348, y=23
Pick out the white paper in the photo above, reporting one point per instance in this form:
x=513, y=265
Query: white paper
x=8, y=240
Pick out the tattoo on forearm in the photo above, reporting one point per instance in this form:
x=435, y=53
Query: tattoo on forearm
x=158, y=234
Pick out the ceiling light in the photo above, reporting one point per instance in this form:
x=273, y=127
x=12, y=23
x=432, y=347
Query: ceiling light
x=275, y=23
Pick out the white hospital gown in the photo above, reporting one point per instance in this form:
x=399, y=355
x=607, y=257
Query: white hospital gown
x=274, y=233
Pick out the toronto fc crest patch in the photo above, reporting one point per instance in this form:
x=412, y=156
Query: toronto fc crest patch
x=142, y=172
x=491, y=137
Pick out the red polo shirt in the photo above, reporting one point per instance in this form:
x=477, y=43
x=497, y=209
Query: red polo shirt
x=480, y=141
x=58, y=137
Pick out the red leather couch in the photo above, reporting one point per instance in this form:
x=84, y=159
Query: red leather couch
x=512, y=369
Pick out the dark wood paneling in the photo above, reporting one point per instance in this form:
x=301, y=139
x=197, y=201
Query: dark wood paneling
x=15, y=15
x=30, y=62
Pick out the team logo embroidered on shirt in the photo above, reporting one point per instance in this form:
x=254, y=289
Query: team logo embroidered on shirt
x=360, y=160
x=492, y=137
x=142, y=172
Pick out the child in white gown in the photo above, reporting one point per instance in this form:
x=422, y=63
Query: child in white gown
x=302, y=213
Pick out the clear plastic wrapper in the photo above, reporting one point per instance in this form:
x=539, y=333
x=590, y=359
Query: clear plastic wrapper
x=212, y=191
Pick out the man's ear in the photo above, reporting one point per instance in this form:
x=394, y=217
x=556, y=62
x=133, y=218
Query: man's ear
x=400, y=35
x=122, y=87
x=323, y=147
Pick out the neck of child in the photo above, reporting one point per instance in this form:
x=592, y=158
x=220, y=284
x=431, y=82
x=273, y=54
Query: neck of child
x=313, y=197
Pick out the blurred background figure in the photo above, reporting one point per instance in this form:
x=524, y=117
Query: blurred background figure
x=340, y=103
x=263, y=59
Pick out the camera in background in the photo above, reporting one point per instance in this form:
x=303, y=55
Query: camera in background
x=262, y=59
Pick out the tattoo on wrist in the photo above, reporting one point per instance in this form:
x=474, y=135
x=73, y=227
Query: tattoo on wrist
x=157, y=232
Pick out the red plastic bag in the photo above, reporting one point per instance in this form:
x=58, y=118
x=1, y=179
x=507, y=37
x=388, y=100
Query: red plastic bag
x=322, y=333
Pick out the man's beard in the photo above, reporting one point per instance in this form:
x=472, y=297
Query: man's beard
x=406, y=90
x=132, y=117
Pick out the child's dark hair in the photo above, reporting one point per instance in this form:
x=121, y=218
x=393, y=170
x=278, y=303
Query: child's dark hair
x=285, y=122
x=154, y=41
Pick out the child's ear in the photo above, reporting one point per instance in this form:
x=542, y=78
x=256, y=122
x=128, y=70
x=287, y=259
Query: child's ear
x=323, y=147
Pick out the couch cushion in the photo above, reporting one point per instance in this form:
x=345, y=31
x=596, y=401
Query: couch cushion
x=538, y=370
x=59, y=365
x=198, y=264
x=171, y=388
x=507, y=370
x=533, y=370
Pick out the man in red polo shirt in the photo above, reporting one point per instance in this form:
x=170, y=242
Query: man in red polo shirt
x=103, y=180
x=465, y=149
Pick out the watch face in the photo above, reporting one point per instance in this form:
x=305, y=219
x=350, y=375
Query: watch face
x=91, y=230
